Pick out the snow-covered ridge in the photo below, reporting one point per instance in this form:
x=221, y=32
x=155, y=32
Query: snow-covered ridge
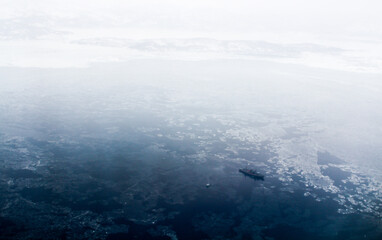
x=206, y=45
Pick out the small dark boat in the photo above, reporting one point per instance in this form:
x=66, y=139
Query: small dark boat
x=251, y=173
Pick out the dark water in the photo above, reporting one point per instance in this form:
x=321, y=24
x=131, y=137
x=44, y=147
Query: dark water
x=128, y=195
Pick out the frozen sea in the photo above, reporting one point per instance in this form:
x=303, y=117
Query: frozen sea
x=124, y=151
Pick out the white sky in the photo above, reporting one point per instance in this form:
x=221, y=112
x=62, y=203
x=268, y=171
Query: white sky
x=43, y=28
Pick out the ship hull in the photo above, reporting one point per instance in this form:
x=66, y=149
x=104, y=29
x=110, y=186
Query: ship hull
x=252, y=175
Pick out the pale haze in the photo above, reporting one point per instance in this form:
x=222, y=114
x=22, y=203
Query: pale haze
x=345, y=35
